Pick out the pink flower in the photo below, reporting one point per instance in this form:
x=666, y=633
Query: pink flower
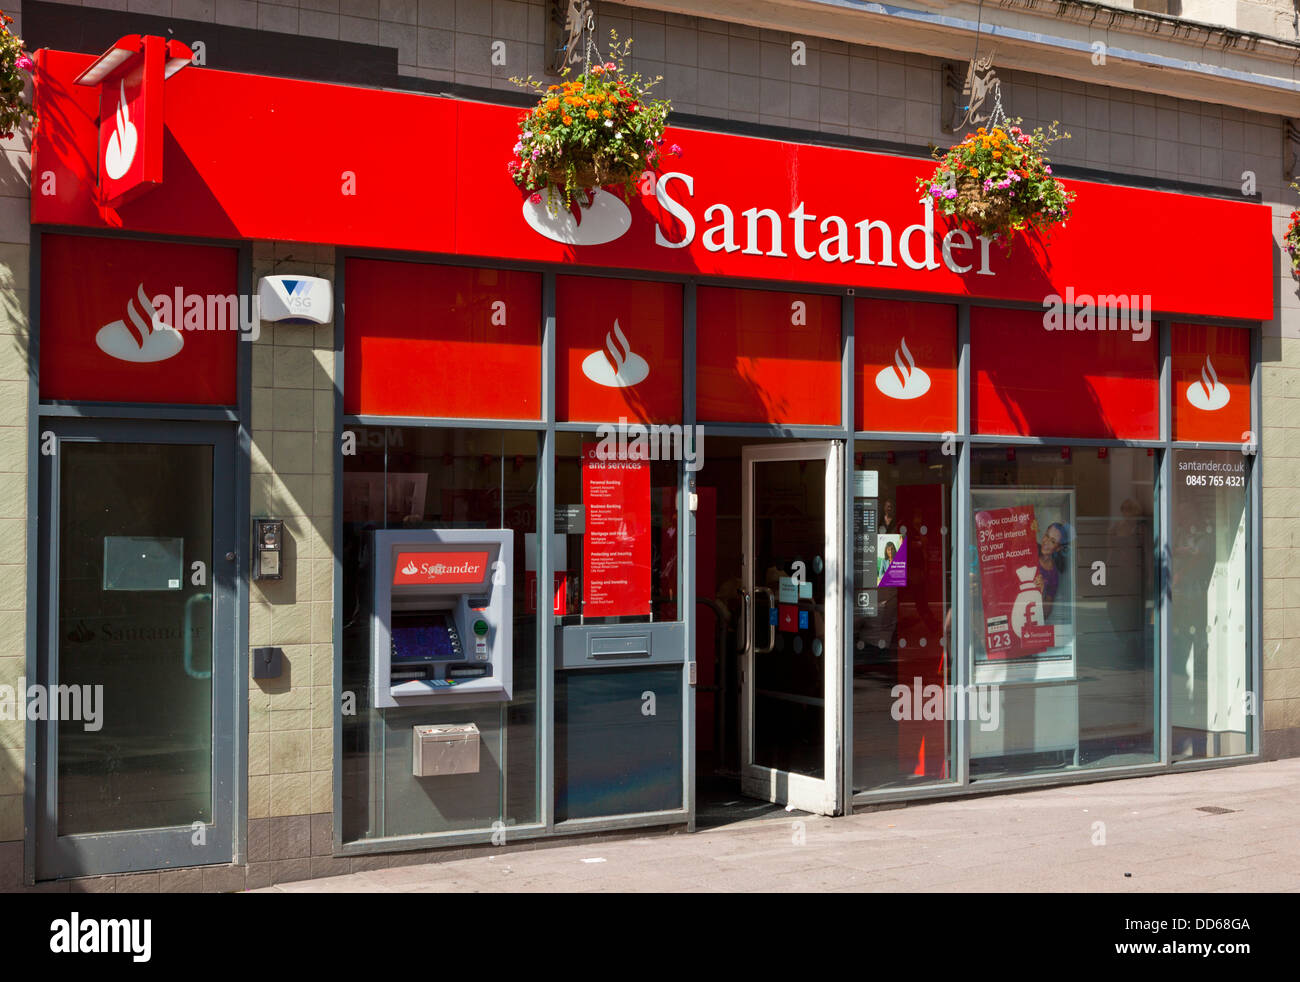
x=536, y=199
x=25, y=63
x=675, y=150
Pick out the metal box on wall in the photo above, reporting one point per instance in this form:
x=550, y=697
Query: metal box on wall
x=449, y=748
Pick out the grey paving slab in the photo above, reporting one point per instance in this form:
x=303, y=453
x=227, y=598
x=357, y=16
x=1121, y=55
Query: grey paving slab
x=1027, y=841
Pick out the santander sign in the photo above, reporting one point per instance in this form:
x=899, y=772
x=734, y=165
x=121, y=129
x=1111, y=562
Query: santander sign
x=753, y=230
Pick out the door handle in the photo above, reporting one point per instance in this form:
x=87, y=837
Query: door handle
x=745, y=628
x=771, y=624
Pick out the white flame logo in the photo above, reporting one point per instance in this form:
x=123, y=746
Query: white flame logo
x=410, y=569
x=151, y=341
x=121, y=145
x=903, y=380
x=605, y=220
x=617, y=366
x=1208, y=392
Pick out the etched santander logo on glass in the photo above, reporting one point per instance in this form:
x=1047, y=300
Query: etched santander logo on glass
x=617, y=366
x=143, y=340
x=607, y=218
x=440, y=567
x=903, y=380
x=1208, y=393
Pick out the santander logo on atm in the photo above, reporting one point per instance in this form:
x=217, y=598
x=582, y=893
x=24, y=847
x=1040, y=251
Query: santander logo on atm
x=903, y=380
x=1208, y=393
x=120, y=149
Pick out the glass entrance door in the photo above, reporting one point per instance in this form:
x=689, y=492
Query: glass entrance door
x=791, y=675
x=139, y=568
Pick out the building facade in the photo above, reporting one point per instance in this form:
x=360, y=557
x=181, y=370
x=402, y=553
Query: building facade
x=776, y=446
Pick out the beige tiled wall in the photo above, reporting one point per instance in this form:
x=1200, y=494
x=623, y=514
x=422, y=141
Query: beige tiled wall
x=15, y=228
x=291, y=719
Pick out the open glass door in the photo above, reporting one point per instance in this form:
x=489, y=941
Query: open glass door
x=791, y=678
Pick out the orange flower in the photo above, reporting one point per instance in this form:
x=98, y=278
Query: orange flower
x=608, y=114
x=997, y=154
x=974, y=171
x=592, y=114
x=552, y=88
x=567, y=120
x=552, y=104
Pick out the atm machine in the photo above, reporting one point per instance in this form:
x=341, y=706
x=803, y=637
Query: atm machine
x=442, y=616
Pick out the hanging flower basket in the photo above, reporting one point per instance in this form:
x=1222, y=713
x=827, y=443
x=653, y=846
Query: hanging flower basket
x=15, y=68
x=601, y=129
x=1000, y=182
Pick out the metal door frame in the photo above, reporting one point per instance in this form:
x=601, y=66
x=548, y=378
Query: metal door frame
x=145, y=849
x=822, y=795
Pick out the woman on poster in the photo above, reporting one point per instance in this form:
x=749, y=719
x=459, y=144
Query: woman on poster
x=1052, y=553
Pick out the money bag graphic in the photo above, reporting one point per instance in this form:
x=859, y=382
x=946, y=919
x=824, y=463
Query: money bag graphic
x=1028, y=606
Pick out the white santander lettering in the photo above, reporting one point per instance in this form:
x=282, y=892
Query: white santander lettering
x=765, y=232
x=949, y=244
x=727, y=228
x=800, y=218
x=752, y=215
x=674, y=208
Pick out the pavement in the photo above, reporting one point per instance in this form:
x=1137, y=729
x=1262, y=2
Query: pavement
x=1230, y=829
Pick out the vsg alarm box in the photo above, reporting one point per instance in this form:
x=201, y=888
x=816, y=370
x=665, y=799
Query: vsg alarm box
x=442, y=616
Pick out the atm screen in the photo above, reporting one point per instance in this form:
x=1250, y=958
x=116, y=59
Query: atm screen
x=424, y=637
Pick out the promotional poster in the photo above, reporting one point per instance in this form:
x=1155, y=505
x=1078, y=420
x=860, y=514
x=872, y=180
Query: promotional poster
x=1023, y=544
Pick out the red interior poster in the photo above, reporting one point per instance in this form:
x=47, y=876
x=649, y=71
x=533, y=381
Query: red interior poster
x=1007, y=539
x=616, y=542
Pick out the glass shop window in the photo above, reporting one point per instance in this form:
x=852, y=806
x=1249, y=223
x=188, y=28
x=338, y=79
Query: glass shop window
x=1061, y=572
x=903, y=714
x=1211, y=685
x=419, y=478
x=615, y=549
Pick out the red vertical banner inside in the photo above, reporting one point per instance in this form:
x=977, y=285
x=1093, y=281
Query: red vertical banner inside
x=1027, y=380
x=1211, y=380
x=906, y=366
x=133, y=321
x=428, y=340
x=767, y=357
x=619, y=350
x=616, y=536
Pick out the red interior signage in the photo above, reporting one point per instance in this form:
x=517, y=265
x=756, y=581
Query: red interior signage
x=134, y=321
x=619, y=351
x=616, y=536
x=1211, y=379
x=440, y=567
x=767, y=357
x=1028, y=380
x=906, y=374
x=428, y=340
